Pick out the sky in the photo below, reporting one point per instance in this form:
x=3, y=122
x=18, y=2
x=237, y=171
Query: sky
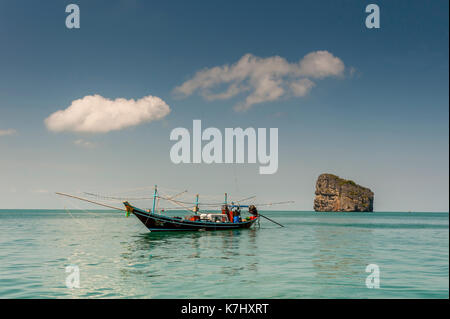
x=371, y=105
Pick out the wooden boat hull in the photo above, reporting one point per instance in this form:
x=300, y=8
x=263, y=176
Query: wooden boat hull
x=157, y=222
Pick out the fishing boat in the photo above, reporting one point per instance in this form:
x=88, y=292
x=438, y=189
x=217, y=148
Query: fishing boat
x=210, y=221
x=229, y=216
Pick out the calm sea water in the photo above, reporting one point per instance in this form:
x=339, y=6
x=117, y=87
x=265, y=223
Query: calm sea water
x=317, y=255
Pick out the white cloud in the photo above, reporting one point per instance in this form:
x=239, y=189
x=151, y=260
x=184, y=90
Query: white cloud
x=301, y=87
x=7, y=132
x=321, y=64
x=263, y=79
x=96, y=114
x=84, y=143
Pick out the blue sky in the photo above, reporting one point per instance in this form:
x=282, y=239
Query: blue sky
x=383, y=122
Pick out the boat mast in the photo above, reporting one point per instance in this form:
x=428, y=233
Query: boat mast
x=154, y=199
x=196, y=204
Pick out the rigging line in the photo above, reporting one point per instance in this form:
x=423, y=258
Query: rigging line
x=277, y=203
x=117, y=191
x=185, y=202
x=79, y=198
x=115, y=198
x=89, y=212
x=65, y=200
x=128, y=198
x=89, y=201
x=149, y=198
x=176, y=195
x=171, y=208
x=145, y=188
x=77, y=221
x=172, y=197
x=108, y=201
x=245, y=199
x=177, y=202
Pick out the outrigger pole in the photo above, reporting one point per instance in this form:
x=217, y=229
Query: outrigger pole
x=89, y=201
x=271, y=220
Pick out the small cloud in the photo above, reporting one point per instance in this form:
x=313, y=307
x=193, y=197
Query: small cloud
x=262, y=79
x=7, y=132
x=321, y=64
x=83, y=143
x=353, y=72
x=96, y=114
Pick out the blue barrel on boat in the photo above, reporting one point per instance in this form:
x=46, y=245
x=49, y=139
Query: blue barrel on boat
x=236, y=219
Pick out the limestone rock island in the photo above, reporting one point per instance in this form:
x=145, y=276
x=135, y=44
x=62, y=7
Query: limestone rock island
x=334, y=194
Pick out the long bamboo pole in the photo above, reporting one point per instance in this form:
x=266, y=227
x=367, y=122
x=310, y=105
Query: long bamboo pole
x=270, y=220
x=89, y=201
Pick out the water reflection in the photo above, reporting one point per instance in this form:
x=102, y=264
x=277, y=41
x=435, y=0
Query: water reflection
x=225, y=252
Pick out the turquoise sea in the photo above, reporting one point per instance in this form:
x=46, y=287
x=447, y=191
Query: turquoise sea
x=317, y=255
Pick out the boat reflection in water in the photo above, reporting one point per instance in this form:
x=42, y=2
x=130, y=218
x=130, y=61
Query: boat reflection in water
x=200, y=254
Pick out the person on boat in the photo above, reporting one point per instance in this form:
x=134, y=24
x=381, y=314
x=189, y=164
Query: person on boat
x=227, y=212
x=237, y=215
x=253, y=211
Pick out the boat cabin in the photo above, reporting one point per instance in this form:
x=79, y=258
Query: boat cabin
x=214, y=217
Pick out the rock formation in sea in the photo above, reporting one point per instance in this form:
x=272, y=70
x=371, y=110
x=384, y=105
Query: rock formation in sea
x=334, y=194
